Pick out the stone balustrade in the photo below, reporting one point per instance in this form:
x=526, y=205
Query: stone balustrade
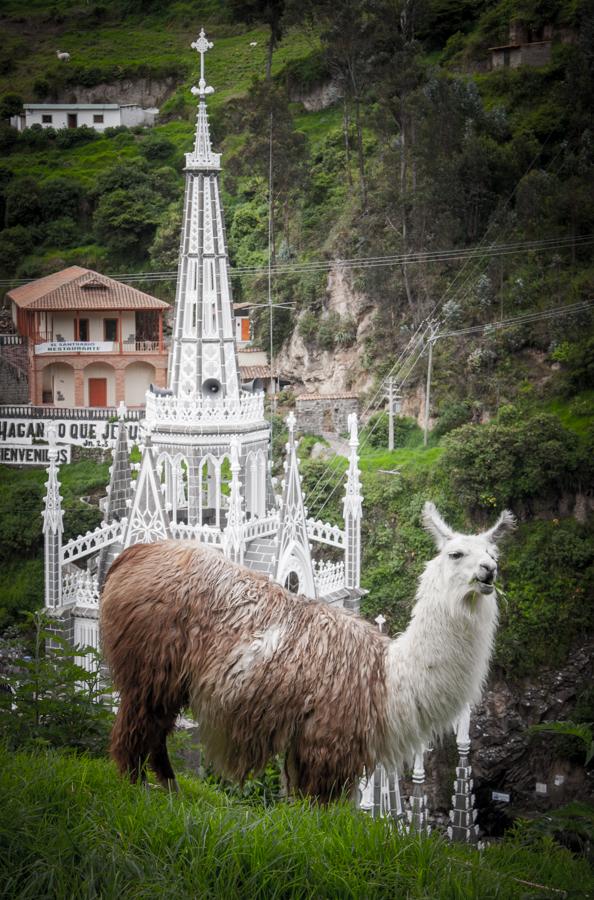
x=329, y=577
x=171, y=410
x=325, y=533
x=93, y=541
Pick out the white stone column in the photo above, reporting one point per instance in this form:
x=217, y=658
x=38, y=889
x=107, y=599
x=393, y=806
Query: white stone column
x=352, y=511
x=234, y=541
x=463, y=813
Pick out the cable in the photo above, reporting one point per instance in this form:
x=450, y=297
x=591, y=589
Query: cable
x=371, y=262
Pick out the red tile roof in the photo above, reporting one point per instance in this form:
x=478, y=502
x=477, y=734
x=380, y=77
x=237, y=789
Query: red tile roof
x=78, y=288
x=248, y=373
x=344, y=395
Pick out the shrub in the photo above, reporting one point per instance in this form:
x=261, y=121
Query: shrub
x=23, y=202
x=501, y=464
x=72, y=137
x=308, y=326
x=452, y=415
x=61, y=197
x=62, y=233
x=157, y=147
x=15, y=243
x=406, y=431
x=52, y=701
x=545, y=609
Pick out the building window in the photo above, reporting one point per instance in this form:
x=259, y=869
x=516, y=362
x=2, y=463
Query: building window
x=81, y=330
x=46, y=118
x=110, y=329
x=98, y=119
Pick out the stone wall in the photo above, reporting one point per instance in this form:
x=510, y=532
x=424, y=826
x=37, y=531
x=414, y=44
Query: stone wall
x=322, y=414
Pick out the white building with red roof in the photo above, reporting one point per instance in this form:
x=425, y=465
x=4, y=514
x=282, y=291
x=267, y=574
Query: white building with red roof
x=92, y=341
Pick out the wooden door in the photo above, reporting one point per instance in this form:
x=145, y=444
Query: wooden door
x=97, y=391
x=245, y=329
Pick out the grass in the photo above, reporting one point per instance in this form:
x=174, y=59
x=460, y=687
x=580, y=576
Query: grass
x=70, y=828
x=410, y=459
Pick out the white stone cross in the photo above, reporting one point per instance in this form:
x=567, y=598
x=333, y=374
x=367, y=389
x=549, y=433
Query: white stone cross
x=380, y=620
x=202, y=45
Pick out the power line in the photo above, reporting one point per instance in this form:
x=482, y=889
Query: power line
x=370, y=262
x=525, y=318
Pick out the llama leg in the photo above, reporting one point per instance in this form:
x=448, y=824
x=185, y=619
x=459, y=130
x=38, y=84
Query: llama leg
x=158, y=756
x=128, y=745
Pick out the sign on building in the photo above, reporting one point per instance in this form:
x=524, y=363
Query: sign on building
x=31, y=455
x=83, y=433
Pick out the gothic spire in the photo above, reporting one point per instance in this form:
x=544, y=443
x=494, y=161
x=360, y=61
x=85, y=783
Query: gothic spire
x=203, y=358
x=294, y=554
x=53, y=527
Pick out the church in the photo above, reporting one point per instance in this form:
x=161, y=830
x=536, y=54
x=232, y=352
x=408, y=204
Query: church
x=206, y=470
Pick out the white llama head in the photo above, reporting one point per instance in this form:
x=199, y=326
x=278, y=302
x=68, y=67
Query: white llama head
x=467, y=563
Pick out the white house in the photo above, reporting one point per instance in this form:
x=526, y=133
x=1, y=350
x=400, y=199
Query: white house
x=94, y=115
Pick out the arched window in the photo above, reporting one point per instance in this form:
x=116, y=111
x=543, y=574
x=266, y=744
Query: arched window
x=292, y=582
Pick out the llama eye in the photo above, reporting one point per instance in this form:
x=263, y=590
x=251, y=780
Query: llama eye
x=457, y=555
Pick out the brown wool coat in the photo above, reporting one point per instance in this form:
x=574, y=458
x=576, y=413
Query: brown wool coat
x=264, y=671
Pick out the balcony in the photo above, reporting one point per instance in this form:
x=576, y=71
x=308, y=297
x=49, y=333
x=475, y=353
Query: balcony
x=129, y=346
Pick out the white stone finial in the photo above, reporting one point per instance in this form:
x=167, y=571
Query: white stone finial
x=202, y=45
x=380, y=621
x=52, y=439
x=353, y=430
x=291, y=422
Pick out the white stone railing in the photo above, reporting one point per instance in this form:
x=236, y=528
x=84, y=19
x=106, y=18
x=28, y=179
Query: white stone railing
x=264, y=527
x=206, y=534
x=81, y=588
x=225, y=411
x=329, y=577
x=325, y=533
x=92, y=541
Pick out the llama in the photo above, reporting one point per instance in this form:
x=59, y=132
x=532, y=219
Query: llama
x=63, y=56
x=267, y=672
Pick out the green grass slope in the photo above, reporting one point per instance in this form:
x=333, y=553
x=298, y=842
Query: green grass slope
x=70, y=828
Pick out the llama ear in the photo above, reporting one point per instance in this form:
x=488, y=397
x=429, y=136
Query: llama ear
x=435, y=525
x=504, y=524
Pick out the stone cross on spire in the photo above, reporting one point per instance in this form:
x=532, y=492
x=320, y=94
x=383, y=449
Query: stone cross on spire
x=202, y=45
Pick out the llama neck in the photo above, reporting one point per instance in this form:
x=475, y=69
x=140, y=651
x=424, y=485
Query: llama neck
x=440, y=663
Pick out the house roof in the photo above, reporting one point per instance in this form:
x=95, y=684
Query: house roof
x=341, y=395
x=249, y=373
x=43, y=106
x=77, y=288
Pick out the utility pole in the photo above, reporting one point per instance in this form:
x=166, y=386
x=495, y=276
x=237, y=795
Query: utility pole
x=394, y=397
x=432, y=340
x=390, y=416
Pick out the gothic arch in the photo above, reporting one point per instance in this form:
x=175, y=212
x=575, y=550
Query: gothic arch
x=294, y=560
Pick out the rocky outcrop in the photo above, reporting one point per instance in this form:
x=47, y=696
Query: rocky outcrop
x=507, y=759
x=145, y=92
x=340, y=369
x=320, y=97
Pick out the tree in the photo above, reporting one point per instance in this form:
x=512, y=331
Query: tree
x=61, y=197
x=268, y=11
x=125, y=220
x=10, y=105
x=23, y=202
x=164, y=251
x=15, y=243
x=267, y=120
